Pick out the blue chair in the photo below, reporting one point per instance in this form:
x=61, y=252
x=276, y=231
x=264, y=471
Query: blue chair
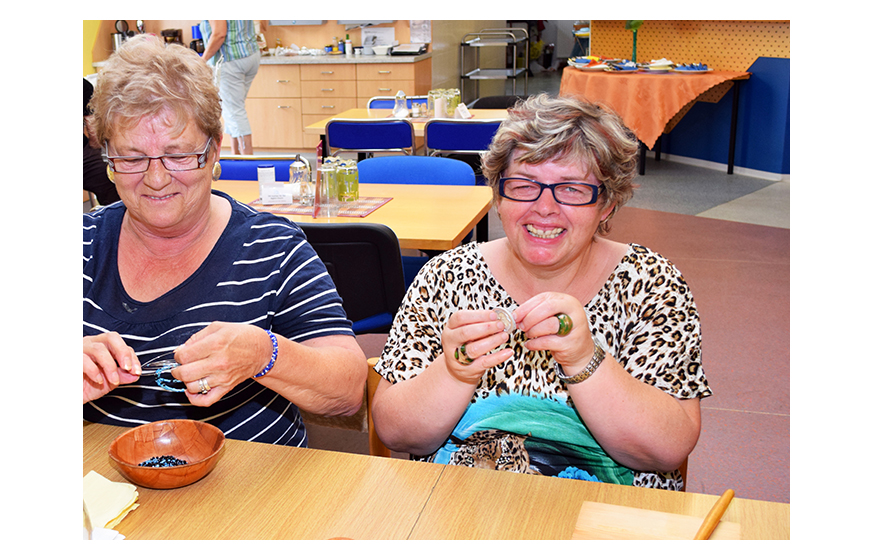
x=420, y=170
x=459, y=136
x=465, y=140
x=370, y=135
x=387, y=102
x=244, y=168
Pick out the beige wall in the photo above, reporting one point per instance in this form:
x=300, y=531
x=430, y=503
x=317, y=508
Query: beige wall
x=446, y=35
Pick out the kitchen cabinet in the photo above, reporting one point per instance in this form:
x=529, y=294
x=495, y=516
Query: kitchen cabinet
x=274, y=107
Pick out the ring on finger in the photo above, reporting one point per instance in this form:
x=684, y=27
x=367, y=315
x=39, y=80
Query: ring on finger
x=204, y=386
x=461, y=356
x=565, y=324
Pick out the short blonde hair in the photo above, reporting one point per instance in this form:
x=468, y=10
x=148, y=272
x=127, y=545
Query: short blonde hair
x=545, y=128
x=146, y=77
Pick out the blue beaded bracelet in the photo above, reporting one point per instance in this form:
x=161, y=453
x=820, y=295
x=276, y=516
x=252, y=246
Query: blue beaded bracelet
x=275, y=354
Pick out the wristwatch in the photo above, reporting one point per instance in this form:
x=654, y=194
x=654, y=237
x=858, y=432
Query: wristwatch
x=592, y=365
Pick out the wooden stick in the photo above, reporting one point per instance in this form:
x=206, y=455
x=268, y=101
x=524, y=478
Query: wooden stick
x=714, y=516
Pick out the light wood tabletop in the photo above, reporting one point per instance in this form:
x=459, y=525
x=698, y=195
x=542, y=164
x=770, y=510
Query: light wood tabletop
x=418, y=123
x=424, y=217
x=262, y=491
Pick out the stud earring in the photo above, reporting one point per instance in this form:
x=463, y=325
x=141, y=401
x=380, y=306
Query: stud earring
x=110, y=173
x=216, y=171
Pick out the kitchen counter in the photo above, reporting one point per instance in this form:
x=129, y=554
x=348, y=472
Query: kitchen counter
x=331, y=59
x=342, y=59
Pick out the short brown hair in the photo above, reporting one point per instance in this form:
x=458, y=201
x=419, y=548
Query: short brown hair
x=145, y=77
x=544, y=128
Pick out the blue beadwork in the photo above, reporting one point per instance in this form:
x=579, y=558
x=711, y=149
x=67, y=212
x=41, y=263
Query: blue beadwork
x=166, y=382
x=275, y=354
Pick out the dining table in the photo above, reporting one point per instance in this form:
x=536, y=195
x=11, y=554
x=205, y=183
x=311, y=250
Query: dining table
x=652, y=103
x=424, y=217
x=265, y=491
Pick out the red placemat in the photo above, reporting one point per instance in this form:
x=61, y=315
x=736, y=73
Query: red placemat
x=364, y=206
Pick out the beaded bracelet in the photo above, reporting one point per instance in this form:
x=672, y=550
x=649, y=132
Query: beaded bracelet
x=275, y=354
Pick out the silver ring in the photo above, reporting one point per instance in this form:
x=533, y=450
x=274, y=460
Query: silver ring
x=204, y=386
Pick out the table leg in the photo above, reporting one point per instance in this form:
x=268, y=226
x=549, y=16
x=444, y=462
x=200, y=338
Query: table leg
x=657, y=148
x=643, y=151
x=733, y=122
x=481, y=230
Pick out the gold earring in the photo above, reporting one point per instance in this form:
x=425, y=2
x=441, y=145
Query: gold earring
x=110, y=173
x=216, y=171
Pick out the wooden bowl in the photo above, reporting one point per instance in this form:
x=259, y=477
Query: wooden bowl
x=198, y=443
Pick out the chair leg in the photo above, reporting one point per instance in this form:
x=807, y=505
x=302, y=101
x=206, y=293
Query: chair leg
x=376, y=447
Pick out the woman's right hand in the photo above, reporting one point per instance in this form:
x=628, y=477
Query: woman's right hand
x=477, y=333
x=107, y=362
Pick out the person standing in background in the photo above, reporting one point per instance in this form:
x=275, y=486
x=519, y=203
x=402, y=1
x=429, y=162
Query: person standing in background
x=231, y=48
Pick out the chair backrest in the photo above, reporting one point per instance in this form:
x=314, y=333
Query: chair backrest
x=370, y=135
x=419, y=170
x=387, y=102
x=364, y=261
x=497, y=102
x=244, y=168
x=458, y=136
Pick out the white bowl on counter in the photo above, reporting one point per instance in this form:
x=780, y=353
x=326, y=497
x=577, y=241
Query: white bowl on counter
x=381, y=49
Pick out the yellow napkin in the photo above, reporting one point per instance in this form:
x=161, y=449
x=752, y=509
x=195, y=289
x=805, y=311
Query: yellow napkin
x=108, y=502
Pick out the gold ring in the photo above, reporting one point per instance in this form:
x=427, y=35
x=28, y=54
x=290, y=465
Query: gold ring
x=465, y=360
x=204, y=386
x=565, y=324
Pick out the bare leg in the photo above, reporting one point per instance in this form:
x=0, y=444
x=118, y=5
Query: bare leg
x=242, y=145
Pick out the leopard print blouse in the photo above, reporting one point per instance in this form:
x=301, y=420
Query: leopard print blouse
x=644, y=316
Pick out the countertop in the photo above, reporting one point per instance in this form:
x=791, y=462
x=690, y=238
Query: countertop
x=331, y=59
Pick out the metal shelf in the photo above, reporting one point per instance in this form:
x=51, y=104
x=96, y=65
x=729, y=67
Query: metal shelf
x=508, y=38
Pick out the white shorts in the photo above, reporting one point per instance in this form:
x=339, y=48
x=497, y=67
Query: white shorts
x=235, y=81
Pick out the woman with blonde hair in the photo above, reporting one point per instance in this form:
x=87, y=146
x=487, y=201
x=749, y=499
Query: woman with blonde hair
x=554, y=350
x=234, y=304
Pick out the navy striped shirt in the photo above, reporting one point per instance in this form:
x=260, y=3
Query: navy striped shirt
x=262, y=271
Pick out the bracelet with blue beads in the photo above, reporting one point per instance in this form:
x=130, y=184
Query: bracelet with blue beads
x=275, y=354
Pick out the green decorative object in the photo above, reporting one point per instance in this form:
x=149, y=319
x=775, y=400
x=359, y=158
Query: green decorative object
x=634, y=25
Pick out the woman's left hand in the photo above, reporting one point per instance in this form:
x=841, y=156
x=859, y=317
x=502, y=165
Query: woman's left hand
x=222, y=355
x=537, y=317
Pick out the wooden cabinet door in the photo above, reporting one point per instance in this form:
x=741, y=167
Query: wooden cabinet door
x=275, y=122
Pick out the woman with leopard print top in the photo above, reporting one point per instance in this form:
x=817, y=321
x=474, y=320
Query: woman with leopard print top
x=590, y=366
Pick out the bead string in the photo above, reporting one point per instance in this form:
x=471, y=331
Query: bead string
x=275, y=354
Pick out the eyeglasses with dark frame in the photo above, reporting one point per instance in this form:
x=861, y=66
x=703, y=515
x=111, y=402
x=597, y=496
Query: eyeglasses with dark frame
x=569, y=193
x=171, y=162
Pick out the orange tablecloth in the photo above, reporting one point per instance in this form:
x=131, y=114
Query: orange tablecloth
x=646, y=102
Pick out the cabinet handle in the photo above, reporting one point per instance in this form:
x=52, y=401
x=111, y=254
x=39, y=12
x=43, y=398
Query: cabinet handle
x=285, y=107
x=327, y=89
x=328, y=106
x=384, y=89
x=384, y=71
x=282, y=81
x=326, y=71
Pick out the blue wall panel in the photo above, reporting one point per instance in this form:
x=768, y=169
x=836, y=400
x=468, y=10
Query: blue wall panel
x=763, y=132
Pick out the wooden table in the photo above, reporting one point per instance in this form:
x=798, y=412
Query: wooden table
x=651, y=104
x=262, y=491
x=424, y=217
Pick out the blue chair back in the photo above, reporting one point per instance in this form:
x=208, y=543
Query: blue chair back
x=419, y=170
x=459, y=136
x=370, y=135
x=387, y=102
x=244, y=168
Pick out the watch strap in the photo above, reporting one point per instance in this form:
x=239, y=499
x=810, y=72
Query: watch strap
x=598, y=356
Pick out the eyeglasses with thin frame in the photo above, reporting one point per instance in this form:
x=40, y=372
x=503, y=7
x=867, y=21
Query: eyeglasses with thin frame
x=171, y=162
x=569, y=193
